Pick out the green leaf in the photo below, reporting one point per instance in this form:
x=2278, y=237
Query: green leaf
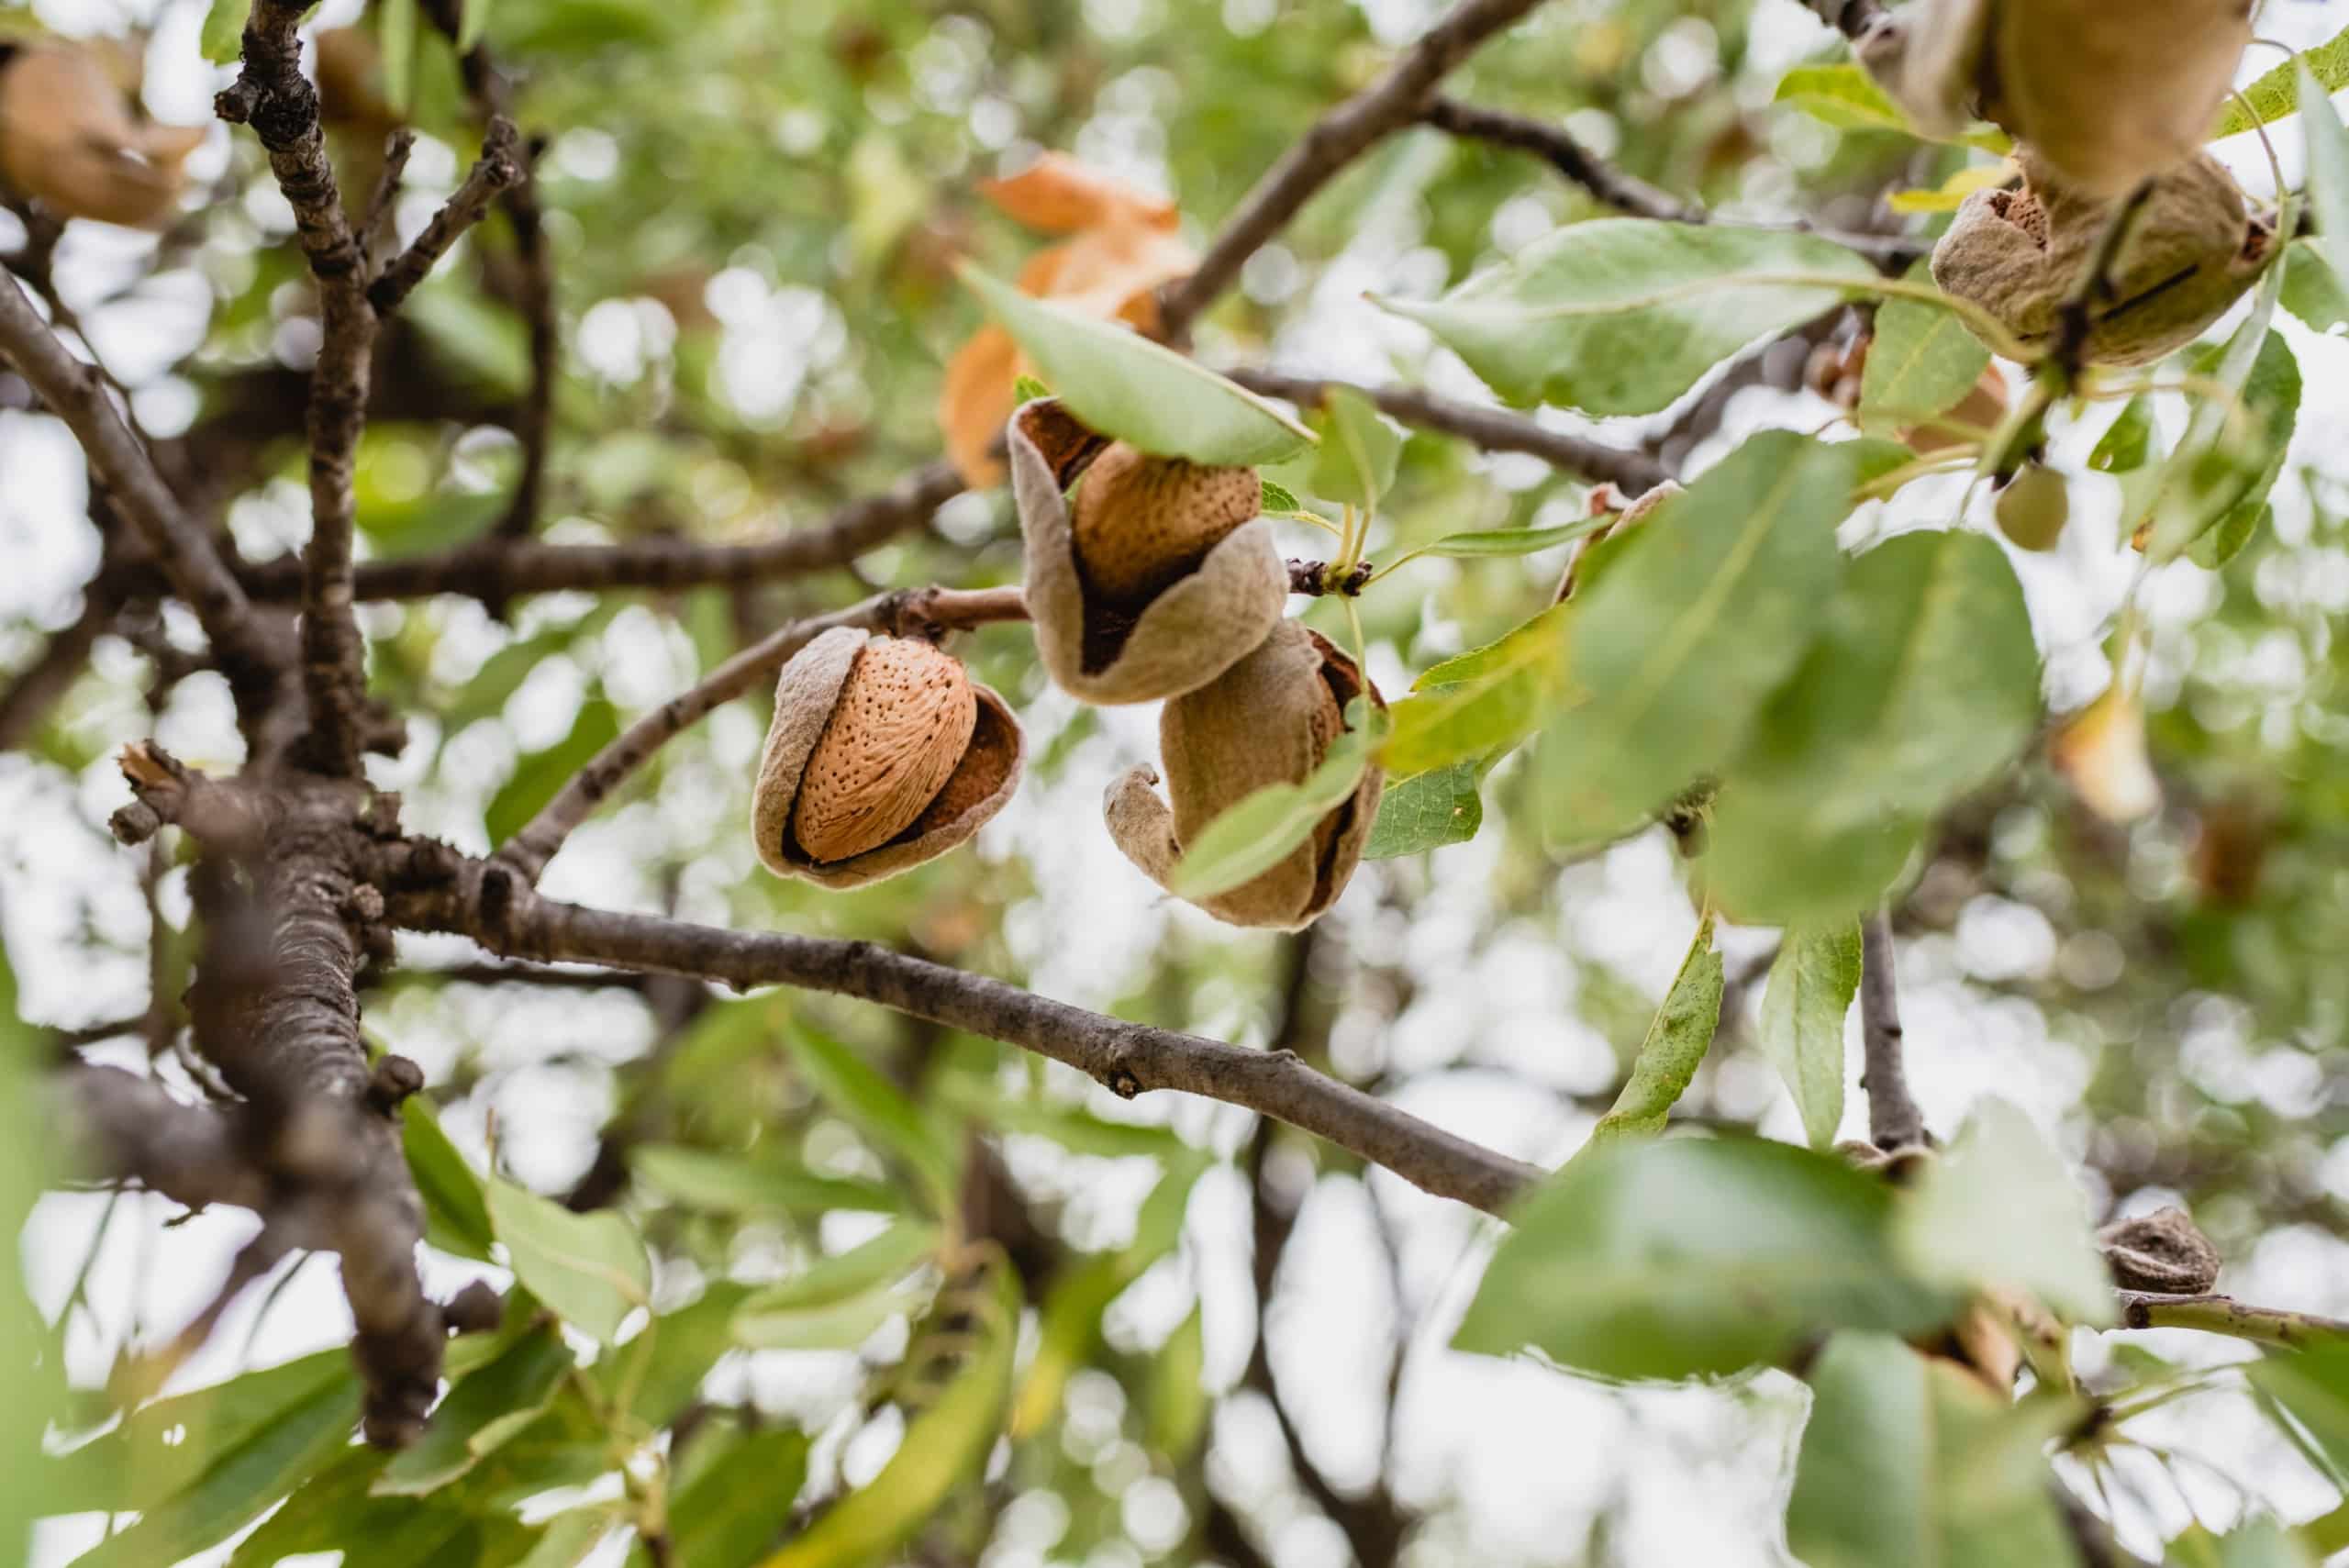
x=946, y=1444
x=485, y=1408
x=1027, y=389
x=1693, y=1257
x=1427, y=813
x=1706, y=608
x=472, y=18
x=1767, y=865
x=837, y=1302
x=1908, y=1458
x=2312, y=1386
x=1677, y=1038
x=759, y=1182
x=1360, y=448
x=269, y=1462
x=395, y=24
x=540, y=774
x=2258, y=1542
x=223, y=30
x=2000, y=1209
x=1812, y=982
x=1923, y=683
x=1258, y=832
x=1621, y=315
x=1482, y=702
x=2129, y=441
x=871, y=1104
x=1124, y=386
x=733, y=1510
x=1847, y=98
x=456, y=1216
x=569, y=1538
x=2312, y=290
x=1514, y=541
x=1175, y=1400
x=590, y=1267
x=1922, y=361
x=656, y=1374
x=2277, y=93
x=1277, y=499
x=2229, y=456
x=2235, y=531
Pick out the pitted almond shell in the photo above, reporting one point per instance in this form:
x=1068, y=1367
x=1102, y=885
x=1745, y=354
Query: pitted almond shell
x=1269, y=719
x=899, y=727
x=2191, y=252
x=1142, y=522
x=2111, y=94
x=806, y=695
x=1184, y=635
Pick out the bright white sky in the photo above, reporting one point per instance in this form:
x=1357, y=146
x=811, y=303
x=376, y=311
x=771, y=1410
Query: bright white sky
x=1689, y=1475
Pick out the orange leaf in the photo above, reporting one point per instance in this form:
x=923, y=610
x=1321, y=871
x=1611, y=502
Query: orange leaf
x=1057, y=195
x=2102, y=752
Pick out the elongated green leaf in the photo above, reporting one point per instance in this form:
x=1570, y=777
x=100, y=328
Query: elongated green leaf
x=1691, y=626
x=571, y=1538
x=1482, y=701
x=944, y=1444
x=2129, y=441
x=590, y=1267
x=1360, y=447
x=456, y=1216
x=656, y=1374
x=1175, y=1399
x=2312, y=1386
x=473, y=17
x=1621, y=315
x=33, y=1381
x=874, y=1107
x=395, y=24
x=1277, y=498
x=1923, y=683
x=1921, y=363
x=2227, y=540
x=2276, y=94
x=2312, y=291
x=223, y=30
x=270, y=1461
x=487, y=1405
x=1259, y=832
x=761, y=1182
x=538, y=775
x=884, y=1259
x=333, y=1510
x=1123, y=385
x=735, y=1508
x=1693, y=1257
x=1812, y=982
x=1515, y=541
x=1908, y=1458
x=2227, y=458
x=1847, y=98
x=1427, y=813
x=2002, y=1210
x=841, y=1322
x=1677, y=1038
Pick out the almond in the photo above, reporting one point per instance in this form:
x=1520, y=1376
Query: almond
x=899, y=727
x=67, y=137
x=1142, y=521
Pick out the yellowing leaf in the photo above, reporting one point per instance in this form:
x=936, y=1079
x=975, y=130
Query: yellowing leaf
x=2102, y=753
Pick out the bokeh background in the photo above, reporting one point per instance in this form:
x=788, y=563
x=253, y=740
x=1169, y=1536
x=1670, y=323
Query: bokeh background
x=753, y=212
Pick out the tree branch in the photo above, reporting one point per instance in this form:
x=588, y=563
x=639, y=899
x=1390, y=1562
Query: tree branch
x=431, y=887
x=923, y=612
x=497, y=169
x=2225, y=1314
x=1339, y=138
x=494, y=570
x=1492, y=429
x=76, y=393
x=1627, y=192
x=1850, y=17
x=1893, y=1120
x=131, y=1127
x=271, y=95
x=38, y=686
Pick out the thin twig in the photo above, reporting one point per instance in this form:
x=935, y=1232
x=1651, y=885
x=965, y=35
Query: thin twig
x=1628, y=193
x=1336, y=139
x=1893, y=1120
x=924, y=611
x=397, y=148
x=497, y=169
x=1490, y=430
x=2225, y=1314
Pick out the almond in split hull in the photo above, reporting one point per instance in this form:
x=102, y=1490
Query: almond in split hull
x=900, y=726
x=1142, y=522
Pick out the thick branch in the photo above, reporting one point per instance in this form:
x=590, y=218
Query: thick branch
x=495, y=570
x=929, y=611
x=434, y=888
x=499, y=169
x=76, y=393
x=1893, y=1120
x=131, y=1127
x=1627, y=192
x=271, y=95
x=2225, y=1314
x=1492, y=429
x=1339, y=138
